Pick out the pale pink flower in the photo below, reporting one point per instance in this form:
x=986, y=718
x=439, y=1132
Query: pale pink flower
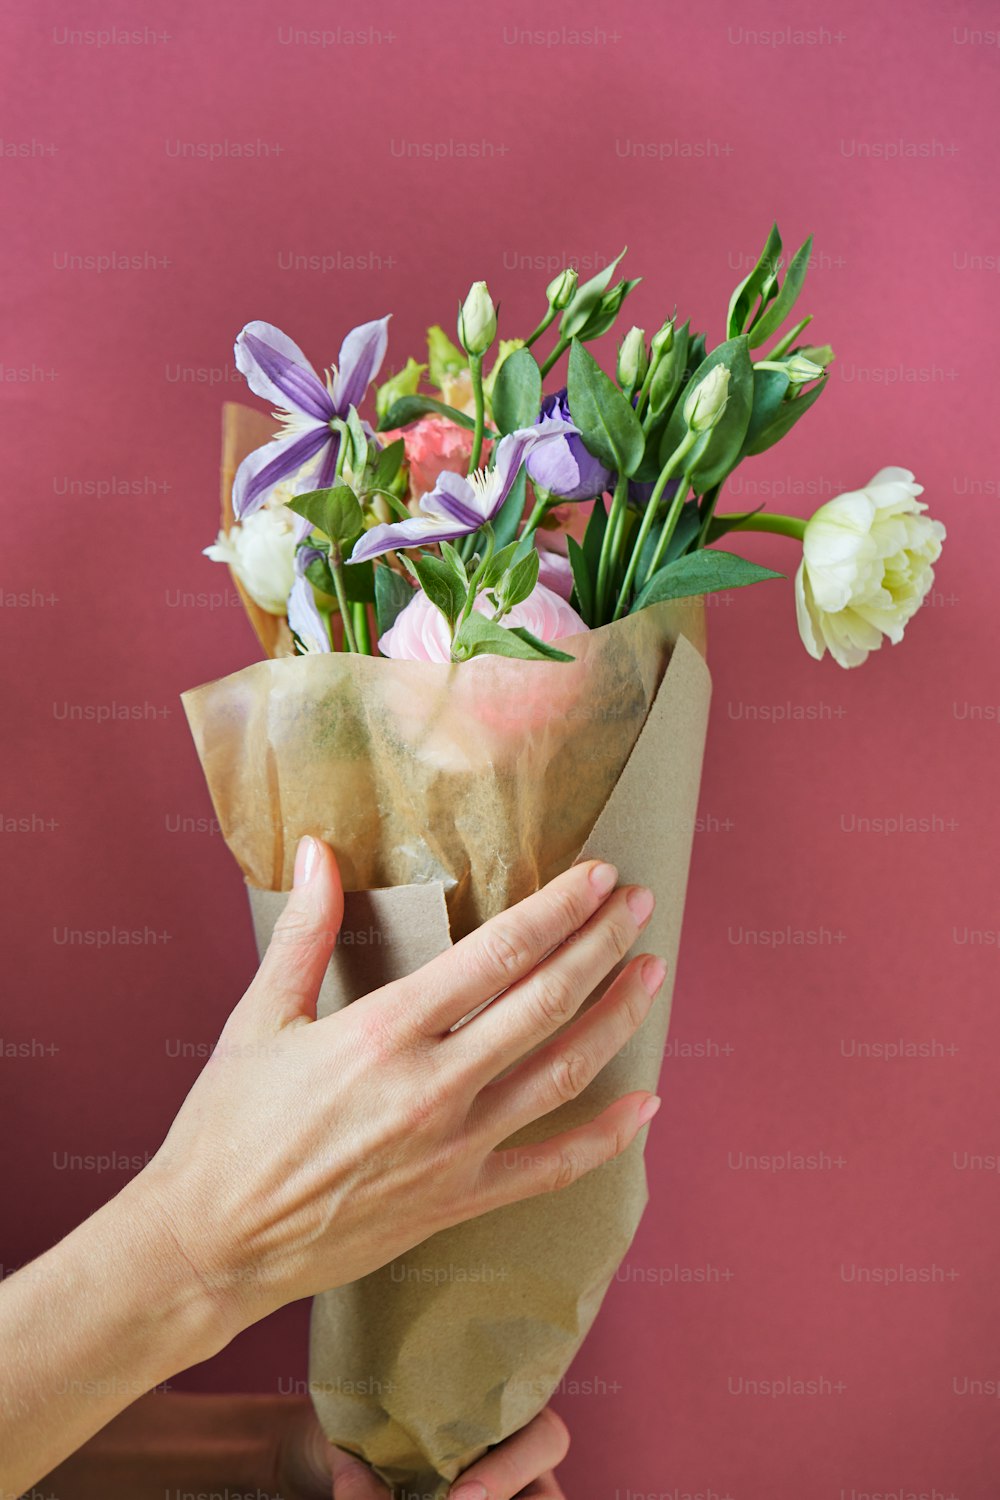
x=420, y=631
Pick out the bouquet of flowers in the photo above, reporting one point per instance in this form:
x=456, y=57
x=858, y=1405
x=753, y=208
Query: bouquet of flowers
x=484, y=632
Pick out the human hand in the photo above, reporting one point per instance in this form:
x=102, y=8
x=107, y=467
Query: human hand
x=518, y=1469
x=310, y=1152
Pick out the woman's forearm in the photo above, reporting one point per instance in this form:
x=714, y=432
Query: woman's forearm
x=106, y=1315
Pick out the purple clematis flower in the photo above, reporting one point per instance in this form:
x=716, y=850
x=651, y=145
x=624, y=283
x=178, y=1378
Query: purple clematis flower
x=276, y=369
x=567, y=469
x=458, y=505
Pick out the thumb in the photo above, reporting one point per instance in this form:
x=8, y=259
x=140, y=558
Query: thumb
x=302, y=943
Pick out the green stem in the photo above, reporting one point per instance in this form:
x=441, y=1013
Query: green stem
x=542, y=507
x=541, y=327
x=792, y=526
x=611, y=535
x=669, y=526
x=474, y=581
x=362, y=629
x=560, y=349
x=784, y=344
x=337, y=569
x=476, y=371
x=669, y=468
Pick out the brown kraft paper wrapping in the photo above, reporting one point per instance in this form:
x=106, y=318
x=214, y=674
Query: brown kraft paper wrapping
x=448, y=793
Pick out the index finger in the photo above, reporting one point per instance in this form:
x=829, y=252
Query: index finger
x=524, y=1459
x=502, y=950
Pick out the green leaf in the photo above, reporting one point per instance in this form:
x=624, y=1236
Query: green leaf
x=669, y=373
x=335, y=512
x=519, y=582
x=392, y=594
x=702, y=572
x=606, y=418
x=581, y=580
x=517, y=394
x=388, y=463
x=359, y=581
x=718, y=450
x=498, y=565
x=541, y=648
x=772, y=318
x=593, y=537
x=409, y=408
x=525, y=544
x=785, y=418
x=403, y=383
x=769, y=387
x=318, y=574
x=438, y=581
x=479, y=636
x=356, y=457
x=454, y=561
x=607, y=310
x=508, y=517
x=742, y=301
x=444, y=358
x=586, y=299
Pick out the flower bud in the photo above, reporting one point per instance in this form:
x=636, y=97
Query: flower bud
x=477, y=320
x=560, y=290
x=632, y=359
x=705, y=405
x=799, y=369
x=663, y=340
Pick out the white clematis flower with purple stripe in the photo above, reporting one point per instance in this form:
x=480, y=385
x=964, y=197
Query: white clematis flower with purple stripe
x=306, y=618
x=457, y=505
x=276, y=369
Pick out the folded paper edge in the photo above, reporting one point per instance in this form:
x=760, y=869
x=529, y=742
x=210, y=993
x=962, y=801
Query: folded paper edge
x=425, y=902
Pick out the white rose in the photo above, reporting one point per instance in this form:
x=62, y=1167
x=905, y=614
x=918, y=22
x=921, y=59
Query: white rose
x=867, y=562
x=261, y=552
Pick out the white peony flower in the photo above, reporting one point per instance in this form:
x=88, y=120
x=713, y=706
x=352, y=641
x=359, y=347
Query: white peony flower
x=867, y=563
x=260, y=549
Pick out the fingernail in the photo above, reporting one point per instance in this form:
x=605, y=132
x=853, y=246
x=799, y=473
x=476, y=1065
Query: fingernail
x=603, y=878
x=640, y=903
x=474, y=1491
x=649, y=1109
x=652, y=973
x=306, y=861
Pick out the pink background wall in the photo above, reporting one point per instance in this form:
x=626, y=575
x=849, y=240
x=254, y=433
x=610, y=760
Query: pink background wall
x=682, y=132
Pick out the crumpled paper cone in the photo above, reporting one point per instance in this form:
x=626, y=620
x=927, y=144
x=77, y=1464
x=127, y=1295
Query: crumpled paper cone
x=448, y=793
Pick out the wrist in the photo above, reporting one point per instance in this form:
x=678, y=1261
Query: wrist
x=195, y=1313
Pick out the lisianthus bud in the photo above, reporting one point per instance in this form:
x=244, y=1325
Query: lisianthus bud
x=560, y=290
x=633, y=361
x=820, y=354
x=663, y=339
x=477, y=321
x=707, y=402
x=799, y=369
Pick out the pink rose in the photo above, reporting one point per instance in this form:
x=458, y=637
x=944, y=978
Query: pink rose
x=420, y=631
x=554, y=568
x=433, y=444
